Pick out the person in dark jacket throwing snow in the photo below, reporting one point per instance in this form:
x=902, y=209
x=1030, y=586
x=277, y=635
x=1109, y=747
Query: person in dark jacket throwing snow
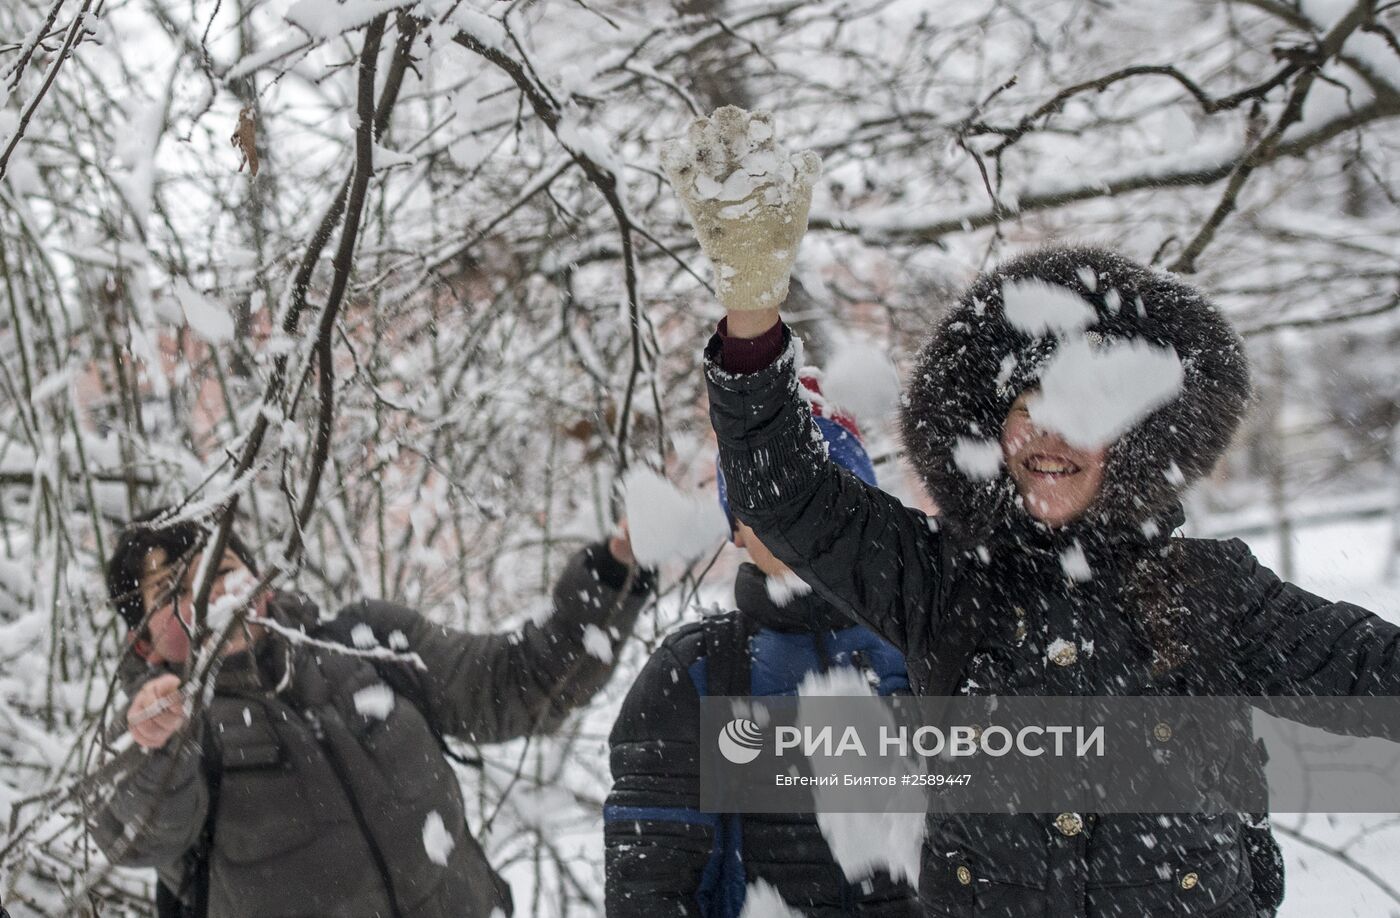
x=664, y=856
x=318, y=784
x=1055, y=414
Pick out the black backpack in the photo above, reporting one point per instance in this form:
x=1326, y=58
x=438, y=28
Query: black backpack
x=191, y=899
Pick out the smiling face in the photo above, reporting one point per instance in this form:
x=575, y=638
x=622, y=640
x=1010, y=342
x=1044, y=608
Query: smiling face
x=1057, y=481
x=167, y=587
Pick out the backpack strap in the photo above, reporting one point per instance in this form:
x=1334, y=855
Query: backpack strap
x=191, y=900
x=726, y=655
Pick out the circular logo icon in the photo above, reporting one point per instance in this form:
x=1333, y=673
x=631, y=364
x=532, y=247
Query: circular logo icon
x=741, y=741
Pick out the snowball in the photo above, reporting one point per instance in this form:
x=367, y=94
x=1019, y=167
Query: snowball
x=1075, y=564
x=597, y=643
x=785, y=588
x=731, y=157
x=862, y=380
x=978, y=459
x=838, y=682
x=362, y=636
x=1093, y=395
x=207, y=318
x=863, y=843
x=1036, y=307
x=376, y=701
x=437, y=841
x=868, y=843
x=667, y=524
x=385, y=158
x=763, y=901
x=1057, y=648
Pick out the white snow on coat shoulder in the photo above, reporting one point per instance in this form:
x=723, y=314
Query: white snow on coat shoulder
x=862, y=380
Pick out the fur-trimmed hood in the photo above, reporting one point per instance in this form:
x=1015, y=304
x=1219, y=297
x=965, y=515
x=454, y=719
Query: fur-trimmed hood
x=977, y=361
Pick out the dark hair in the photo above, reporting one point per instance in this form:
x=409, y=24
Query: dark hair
x=138, y=539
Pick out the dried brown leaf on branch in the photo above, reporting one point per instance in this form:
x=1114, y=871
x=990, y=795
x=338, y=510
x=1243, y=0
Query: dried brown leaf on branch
x=245, y=139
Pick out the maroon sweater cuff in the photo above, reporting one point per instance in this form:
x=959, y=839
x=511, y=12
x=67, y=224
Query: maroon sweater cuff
x=749, y=355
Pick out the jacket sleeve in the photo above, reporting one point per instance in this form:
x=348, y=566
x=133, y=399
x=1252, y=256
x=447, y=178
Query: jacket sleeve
x=658, y=844
x=858, y=547
x=488, y=688
x=155, y=810
x=1291, y=642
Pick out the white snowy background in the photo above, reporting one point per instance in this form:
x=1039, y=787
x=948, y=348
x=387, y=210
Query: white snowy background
x=510, y=318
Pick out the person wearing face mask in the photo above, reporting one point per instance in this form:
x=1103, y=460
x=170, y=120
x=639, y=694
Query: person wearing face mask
x=1051, y=568
x=315, y=779
x=663, y=855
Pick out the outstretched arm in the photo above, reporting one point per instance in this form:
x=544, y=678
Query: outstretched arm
x=860, y=548
x=489, y=688
x=1291, y=642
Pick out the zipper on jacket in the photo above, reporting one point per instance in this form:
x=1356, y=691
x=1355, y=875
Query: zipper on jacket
x=318, y=731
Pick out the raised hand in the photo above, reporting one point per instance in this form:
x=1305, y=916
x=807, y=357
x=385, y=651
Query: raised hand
x=748, y=200
x=157, y=712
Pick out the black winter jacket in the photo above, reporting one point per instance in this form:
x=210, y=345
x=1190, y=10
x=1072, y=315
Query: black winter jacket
x=1230, y=626
x=334, y=801
x=664, y=856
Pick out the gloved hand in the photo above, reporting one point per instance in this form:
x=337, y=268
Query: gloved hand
x=748, y=200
